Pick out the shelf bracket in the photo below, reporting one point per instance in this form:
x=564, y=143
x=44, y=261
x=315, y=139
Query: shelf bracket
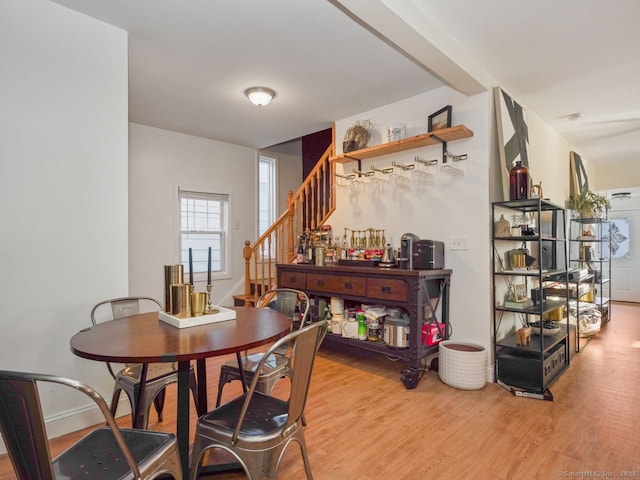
x=348, y=177
x=456, y=158
x=444, y=147
x=355, y=160
x=382, y=170
x=428, y=163
x=410, y=166
x=363, y=174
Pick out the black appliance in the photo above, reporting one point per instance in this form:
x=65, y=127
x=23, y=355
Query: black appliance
x=405, y=261
x=428, y=255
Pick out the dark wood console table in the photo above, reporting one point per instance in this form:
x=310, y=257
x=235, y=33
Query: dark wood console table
x=423, y=294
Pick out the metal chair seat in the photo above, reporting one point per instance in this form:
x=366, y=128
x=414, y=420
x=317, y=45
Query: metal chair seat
x=290, y=302
x=263, y=421
x=94, y=456
x=257, y=428
x=159, y=375
x=105, y=453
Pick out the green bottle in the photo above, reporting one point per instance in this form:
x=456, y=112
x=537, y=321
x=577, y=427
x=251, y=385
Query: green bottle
x=362, y=325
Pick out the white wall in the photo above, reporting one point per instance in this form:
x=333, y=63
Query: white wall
x=452, y=206
x=63, y=189
x=549, y=159
x=159, y=162
x=617, y=175
x=289, y=175
x=289, y=178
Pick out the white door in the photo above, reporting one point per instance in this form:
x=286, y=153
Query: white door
x=625, y=270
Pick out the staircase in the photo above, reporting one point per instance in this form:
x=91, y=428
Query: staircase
x=308, y=208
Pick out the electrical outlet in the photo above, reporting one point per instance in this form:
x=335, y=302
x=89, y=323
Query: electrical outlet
x=459, y=243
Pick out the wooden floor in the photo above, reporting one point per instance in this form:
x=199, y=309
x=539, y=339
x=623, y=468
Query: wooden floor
x=363, y=424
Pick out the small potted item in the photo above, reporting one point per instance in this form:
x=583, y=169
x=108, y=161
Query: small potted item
x=462, y=365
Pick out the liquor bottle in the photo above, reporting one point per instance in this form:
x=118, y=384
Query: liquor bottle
x=518, y=182
x=300, y=251
x=311, y=252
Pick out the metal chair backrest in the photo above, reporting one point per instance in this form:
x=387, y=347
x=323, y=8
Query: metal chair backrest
x=306, y=344
x=23, y=428
x=287, y=301
x=122, y=307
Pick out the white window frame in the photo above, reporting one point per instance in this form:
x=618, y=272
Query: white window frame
x=200, y=273
x=272, y=160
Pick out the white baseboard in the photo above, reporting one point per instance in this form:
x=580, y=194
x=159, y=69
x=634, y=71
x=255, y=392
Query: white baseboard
x=78, y=419
x=490, y=373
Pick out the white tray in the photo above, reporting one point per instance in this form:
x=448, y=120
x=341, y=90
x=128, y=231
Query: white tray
x=223, y=315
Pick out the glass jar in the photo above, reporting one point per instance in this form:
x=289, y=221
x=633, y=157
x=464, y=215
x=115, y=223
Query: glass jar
x=374, y=330
x=518, y=182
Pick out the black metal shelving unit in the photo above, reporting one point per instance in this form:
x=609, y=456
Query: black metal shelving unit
x=529, y=370
x=593, y=253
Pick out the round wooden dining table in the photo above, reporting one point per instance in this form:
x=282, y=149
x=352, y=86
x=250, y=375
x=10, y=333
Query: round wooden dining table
x=144, y=338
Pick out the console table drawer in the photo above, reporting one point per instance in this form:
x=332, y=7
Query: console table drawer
x=388, y=289
x=297, y=280
x=337, y=284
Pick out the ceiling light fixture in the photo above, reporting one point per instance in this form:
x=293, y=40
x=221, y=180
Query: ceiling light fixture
x=574, y=116
x=621, y=195
x=260, y=96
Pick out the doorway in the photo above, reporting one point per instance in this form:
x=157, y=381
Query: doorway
x=625, y=268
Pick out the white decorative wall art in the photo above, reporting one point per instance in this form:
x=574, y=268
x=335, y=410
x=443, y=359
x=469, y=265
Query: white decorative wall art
x=578, y=181
x=513, y=135
x=619, y=237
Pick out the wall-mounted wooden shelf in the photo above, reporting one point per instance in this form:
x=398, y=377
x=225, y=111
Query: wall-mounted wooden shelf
x=457, y=132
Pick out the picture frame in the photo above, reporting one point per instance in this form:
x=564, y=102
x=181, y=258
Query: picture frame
x=578, y=180
x=513, y=136
x=439, y=120
x=519, y=292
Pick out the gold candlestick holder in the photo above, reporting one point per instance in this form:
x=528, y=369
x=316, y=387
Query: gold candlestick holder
x=209, y=306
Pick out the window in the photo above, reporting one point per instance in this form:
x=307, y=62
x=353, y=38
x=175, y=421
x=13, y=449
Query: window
x=203, y=224
x=266, y=192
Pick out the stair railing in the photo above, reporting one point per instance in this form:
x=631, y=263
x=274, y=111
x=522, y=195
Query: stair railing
x=308, y=208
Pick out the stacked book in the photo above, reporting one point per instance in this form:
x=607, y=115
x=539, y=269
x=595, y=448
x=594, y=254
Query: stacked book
x=528, y=303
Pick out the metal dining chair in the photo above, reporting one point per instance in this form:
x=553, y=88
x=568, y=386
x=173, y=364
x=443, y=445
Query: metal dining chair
x=257, y=428
x=159, y=375
x=294, y=304
x=105, y=453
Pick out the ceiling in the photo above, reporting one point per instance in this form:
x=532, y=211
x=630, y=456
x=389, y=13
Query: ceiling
x=190, y=62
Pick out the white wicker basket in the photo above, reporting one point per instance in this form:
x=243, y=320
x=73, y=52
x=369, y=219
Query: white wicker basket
x=462, y=365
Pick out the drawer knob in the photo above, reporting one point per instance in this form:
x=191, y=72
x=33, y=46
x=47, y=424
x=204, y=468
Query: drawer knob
x=321, y=283
x=386, y=289
x=348, y=285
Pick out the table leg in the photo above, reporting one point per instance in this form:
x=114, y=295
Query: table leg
x=201, y=370
x=182, y=427
x=138, y=414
